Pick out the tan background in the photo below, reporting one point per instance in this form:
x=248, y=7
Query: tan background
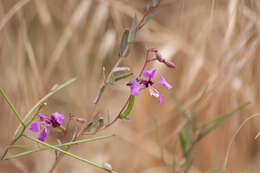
x=215, y=42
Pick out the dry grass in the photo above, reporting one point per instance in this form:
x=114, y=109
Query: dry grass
x=214, y=41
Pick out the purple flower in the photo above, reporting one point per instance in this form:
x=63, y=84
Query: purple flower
x=148, y=83
x=55, y=120
x=135, y=87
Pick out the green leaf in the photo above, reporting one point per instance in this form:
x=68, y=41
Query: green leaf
x=219, y=120
x=146, y=19
x=18, y=116
x=94, y=125
x=125, y=118
x=178, y=105
x=129, y=107
x=43, y=100
x=197, y=101
x=122, y=76
x=132, y=32
x=19, y=146
x=186, y=134
x=124, y=49
x=183, y=144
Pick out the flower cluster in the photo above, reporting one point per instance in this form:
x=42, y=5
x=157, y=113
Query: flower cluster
x=148, y=83
x=54, y=121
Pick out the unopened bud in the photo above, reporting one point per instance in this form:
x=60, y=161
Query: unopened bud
x=169, y=64
x=161, y=59
x=108, y=166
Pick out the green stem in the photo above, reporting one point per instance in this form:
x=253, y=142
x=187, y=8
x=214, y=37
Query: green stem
x=69, y=154
x=41, y=101
x=12, y=107
x=61, y=145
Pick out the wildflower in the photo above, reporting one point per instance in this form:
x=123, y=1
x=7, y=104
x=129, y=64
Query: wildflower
x=148, y=83
x=54, y=121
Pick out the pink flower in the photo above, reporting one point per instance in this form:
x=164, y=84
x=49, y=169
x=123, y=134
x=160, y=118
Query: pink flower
x=148, y=83
x=54, y=121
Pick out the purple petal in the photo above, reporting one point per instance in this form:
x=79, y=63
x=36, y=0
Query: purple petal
x=35, y=126
x=58, y=117
x=164, y=82
x=42, y=117
x=135, y=88
x=149, y=73
x=160, y=98
x=45, y=132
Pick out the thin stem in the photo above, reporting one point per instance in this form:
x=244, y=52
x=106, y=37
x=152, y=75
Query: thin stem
x=69, y=154
x=12, y=107
x=103, y=86
x=146, y=61
x=67, y=127
x=118, y=116
x=60, y=145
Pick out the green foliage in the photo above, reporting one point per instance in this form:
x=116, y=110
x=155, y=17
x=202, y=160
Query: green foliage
x=96, y=124
x=129, y=107
x=146, y=19
x=132, y=32
x=215, y=123
x=124, y=49
x=192, y=132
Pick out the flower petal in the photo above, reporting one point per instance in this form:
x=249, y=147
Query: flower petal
x=45, y=132
x=160, y=98
x=135, y=88
x=149, y=73
x=35, y=126
x=42, y=117
x=164, y=83
x=154, y=92
x=58, y=117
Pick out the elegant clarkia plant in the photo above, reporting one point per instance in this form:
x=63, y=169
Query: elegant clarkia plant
x=136, y=85
x=45, y=123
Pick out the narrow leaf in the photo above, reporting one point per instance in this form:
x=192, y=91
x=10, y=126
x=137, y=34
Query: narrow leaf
x=197, y=101
x=186, y=134
x=178, y=105
x=18, y=116
x=92, y=127
x=219, y=120
x=129, y=107
x=132, y=32
x=120, y=69
x=19, y=146
x=124, y=44
x=146, y=19
x=122, y=76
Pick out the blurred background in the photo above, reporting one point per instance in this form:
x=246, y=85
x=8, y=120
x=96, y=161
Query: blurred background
x=214, y=42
